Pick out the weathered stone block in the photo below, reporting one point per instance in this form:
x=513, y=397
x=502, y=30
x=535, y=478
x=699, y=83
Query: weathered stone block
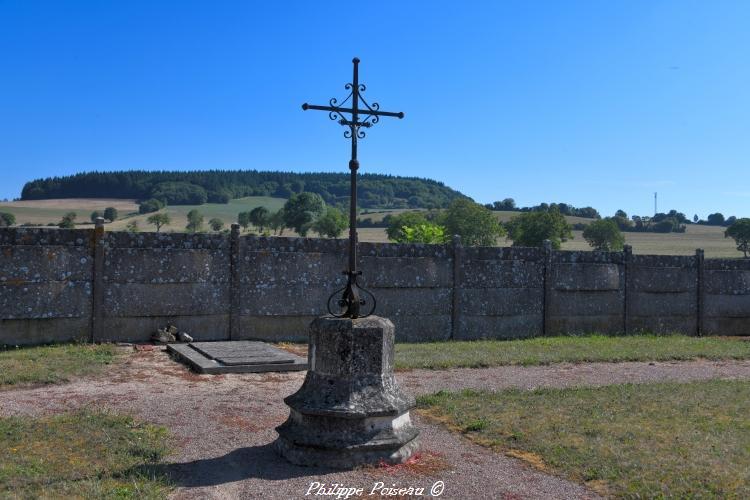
x=728, y=306
x=731, y=282
x=43, y=330
x=500, y=301
x=54, y=299
x=285, y=300
x=413, y=301
x=165, y=265
x=663, y=304
x=501, y=274
x=140, y=299
x=293, y=268
x=726, y=326
x=407, y=272
x=604, y=323
x=664, y=279
x=498, y=327
x=603, y=303
x=36, y=263
x=583, y=277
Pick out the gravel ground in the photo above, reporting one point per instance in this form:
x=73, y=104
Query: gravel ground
x=224, y=426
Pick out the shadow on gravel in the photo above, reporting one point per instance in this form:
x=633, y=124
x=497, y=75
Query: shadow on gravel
x=244, y=463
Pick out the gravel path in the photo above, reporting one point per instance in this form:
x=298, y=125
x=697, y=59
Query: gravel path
x=223, y=426
x=570, y=375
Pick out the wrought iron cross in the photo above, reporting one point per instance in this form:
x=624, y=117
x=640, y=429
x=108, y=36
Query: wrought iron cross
x=351, y=300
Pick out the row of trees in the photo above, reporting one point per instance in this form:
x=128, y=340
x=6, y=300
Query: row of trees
x=219, y=186
x=476, y=225
x=302, y=212
x=509, y=204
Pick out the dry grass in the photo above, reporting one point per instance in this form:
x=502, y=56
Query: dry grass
x=628, y=441
x=80, y=455
x=42, y=212
x=53, y=364
x=578, y=349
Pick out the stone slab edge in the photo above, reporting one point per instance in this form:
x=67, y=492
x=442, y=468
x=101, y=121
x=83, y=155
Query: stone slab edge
x=202, y=364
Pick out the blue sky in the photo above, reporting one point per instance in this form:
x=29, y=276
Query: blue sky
x=586, y=102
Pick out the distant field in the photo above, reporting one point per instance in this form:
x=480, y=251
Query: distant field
x=710, y=238
x=43, y=212
x=226, y=212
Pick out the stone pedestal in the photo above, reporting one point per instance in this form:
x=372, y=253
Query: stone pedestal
x=349, y=411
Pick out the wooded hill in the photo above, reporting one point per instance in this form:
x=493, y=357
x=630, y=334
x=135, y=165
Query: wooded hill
x=219, y=186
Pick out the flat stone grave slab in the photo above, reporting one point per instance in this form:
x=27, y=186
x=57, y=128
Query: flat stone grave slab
x=236, y=356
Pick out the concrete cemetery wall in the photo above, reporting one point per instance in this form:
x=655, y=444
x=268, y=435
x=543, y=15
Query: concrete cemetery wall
x=59, y=285
x=46, y=279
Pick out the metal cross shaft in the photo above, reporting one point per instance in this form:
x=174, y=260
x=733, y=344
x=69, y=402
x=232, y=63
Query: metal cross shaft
x=351, y=300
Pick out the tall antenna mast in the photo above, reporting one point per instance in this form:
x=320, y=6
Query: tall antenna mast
x=655, y=210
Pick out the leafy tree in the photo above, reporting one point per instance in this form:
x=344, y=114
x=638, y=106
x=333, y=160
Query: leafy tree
x=730, y=220
x=716, y=219
x=301, y=211
x=532, y=228
x=95, y=215
x=740, y=232
x=622, y=222
x=696, y=218
x=132, y=226
x=506, y=204
x=331, y=224
x=276, y=221
x=195, y=221
x=397, y=222
x=159, y=220
x=68, y=221
x=110, y=213
x=7, y=219
x=428, y=233
x=604, y=234
x=259, y=217
x=150, y=205
x=621, y=213
x=476, y=225
x=243, y=219
x=216, y=224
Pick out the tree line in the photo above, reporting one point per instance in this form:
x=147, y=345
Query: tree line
x=220, y=186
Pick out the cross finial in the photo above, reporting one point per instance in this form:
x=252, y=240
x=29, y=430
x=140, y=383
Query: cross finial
x=351, y=300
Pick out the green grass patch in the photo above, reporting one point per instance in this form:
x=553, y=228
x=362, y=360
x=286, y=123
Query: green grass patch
x=629, y=441
x=81, y=455
x=546, y=350
x=53, y=364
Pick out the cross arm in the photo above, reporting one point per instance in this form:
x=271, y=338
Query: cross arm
x=365, y=111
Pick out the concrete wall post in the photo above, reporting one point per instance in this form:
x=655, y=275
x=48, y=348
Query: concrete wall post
x=547, y=283
x=97, y=282
x=234, y=282
x=627, y=259
x=458, y=256
x=700, y=290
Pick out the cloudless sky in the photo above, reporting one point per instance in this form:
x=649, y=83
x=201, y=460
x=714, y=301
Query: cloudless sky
x=585, y=102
